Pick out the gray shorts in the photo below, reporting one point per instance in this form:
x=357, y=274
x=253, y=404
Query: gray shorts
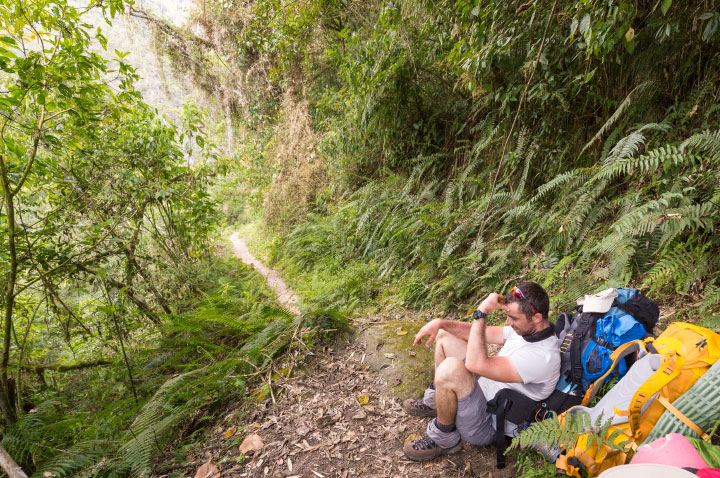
x=473, y=423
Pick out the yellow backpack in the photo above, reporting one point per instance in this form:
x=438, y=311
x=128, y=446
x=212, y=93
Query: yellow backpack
x=687, y=351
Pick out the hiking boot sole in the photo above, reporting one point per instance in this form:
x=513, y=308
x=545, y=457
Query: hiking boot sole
x=416, y=455
x=417, y=412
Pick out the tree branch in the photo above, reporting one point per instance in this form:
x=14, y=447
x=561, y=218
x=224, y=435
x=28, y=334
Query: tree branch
x=9, y=465
x=65, y=368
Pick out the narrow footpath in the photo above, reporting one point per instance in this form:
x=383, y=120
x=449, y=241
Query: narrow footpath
x=339, y=414
x=286, y=296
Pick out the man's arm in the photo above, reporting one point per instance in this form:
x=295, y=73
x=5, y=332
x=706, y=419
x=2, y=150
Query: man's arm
x=431, y=329
x=494, y=334
x=477, y=361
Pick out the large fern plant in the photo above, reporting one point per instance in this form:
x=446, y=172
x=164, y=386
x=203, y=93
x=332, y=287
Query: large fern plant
x=642, y=216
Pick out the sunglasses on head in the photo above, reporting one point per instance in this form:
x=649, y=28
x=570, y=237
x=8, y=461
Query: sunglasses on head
x=517, y=293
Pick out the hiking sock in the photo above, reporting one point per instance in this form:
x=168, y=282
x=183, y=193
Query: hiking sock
x=444, y=428
x=443, y=439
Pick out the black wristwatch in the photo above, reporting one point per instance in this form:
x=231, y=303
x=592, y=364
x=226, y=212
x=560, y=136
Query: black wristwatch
x=479, y=315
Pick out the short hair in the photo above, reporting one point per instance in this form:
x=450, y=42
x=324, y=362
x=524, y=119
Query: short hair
x=535, y=296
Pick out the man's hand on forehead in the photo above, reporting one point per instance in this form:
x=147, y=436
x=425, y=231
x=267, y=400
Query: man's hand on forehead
x=492, y=302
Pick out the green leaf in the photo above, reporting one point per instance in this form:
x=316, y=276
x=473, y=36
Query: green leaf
x=665, y=6
x=65, y=91
x=630, y=46
x=585, y=23
x=710, y=29
x=8, y=41
x=7, y=53
x=574, y=26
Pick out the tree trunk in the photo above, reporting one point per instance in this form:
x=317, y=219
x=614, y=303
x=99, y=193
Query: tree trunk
x=6, y=407
x=8, y=465
x=229, y=138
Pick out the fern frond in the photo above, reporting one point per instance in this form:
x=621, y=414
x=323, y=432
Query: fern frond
x=696, y=97
x=80, y=457
x=624, y=105
x=631, y=144
x=568, y=179
x=707, y=143
x=626, y=147
x=646, y=163
x=712, y=296
x=451, y=197
x=552, y=433
x=520, y=188
x=691, y=217
x=456, y=237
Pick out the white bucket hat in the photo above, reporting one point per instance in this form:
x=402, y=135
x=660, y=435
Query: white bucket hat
x=600, y=302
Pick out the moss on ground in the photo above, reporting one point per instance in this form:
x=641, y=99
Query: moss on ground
x=405, y=368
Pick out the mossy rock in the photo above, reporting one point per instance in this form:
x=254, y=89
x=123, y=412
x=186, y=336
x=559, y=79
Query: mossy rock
x=261, y=394
x=405, y=368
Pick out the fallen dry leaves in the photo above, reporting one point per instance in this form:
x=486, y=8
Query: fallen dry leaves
x=252, y=442
x=338, y=419
x=208, y=470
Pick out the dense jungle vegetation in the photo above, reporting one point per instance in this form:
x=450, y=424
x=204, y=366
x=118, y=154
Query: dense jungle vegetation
x=383, y=154
x=425, y=153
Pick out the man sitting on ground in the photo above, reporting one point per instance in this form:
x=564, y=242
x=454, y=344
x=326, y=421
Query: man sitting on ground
x=466, y=378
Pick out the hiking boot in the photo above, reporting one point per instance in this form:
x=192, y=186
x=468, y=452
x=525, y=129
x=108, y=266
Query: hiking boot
x=425, y=449
x=418, y=408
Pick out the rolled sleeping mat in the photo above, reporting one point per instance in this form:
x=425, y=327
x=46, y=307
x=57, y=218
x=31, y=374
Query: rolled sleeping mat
x=700, y=403
x=620, y=396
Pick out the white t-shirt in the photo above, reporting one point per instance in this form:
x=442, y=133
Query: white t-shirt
x=537, y=363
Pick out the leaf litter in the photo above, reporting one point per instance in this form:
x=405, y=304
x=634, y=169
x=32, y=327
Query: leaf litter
x=337, y=419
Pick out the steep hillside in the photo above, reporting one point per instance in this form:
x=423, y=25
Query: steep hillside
x=428, y=153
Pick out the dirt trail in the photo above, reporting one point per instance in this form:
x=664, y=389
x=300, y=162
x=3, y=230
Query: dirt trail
x=286, y=296
x=339, y=414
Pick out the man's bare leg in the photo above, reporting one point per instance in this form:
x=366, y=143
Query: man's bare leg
x=452, y=381
x=448, y=345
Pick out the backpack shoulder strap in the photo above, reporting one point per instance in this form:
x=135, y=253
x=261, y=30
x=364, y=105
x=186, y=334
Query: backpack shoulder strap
x=581, y=328
x=667, y=371
x=511, y=405
x=636, y=346
x=683, y=418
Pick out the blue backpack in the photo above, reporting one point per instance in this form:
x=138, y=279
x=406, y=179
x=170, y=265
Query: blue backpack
x=588, y=339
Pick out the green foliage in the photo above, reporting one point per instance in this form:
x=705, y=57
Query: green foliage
x=552, y=433
x=472, y=146
x=432, y=241
x=445, y=186
x=208, y=357
x=533, y=465
x=158, y=419
x=106, y=246
x=97, y=205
